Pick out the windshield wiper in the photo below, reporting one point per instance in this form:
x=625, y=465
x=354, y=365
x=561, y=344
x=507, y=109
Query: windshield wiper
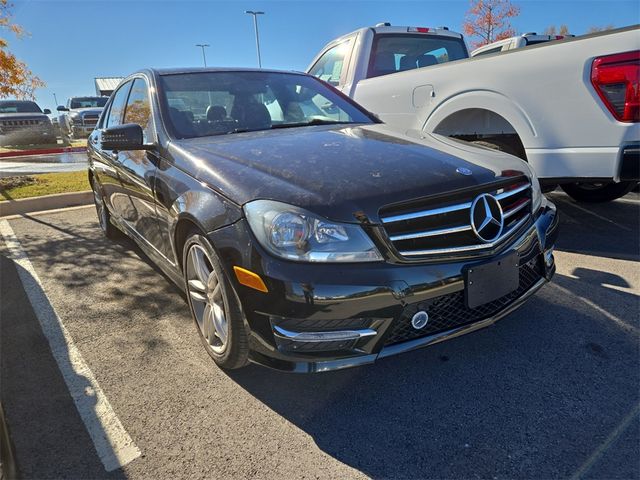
x=315, y=121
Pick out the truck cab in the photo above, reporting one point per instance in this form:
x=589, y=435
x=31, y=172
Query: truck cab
x=382, y=50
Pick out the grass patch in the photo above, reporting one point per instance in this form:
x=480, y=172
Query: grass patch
x=46, y=146
x=25, y=186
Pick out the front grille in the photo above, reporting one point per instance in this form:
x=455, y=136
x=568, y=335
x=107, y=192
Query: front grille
x=449, y=311
x=90, y=119
x=9, y=125
x=442, y=225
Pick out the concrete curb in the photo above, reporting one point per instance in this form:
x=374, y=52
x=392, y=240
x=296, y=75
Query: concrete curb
x=43, y=151
x=46, y=202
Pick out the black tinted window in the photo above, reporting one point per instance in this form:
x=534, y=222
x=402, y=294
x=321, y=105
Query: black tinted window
x=117, y=106
x=397, y=53
x=138, y=107
x=19, y=107
x=88, y=102
x=216, y=103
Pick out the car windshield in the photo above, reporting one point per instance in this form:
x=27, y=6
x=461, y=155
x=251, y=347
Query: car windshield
x=88, y=102
x=19, y=107
x=202, y=104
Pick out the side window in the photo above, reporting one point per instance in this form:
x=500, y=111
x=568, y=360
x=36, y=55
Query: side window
x=330, y=65
x=117, y=106
x=138, y=108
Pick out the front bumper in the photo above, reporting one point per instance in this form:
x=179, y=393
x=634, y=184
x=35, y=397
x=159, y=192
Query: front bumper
x=27, y=135
x=320, y=317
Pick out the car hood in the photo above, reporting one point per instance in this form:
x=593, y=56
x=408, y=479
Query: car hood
x=345, y=173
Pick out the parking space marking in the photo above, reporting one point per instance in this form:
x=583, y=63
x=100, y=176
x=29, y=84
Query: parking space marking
x=619, y=322
x=604, y=219
x=606, y=445
x=112, y=442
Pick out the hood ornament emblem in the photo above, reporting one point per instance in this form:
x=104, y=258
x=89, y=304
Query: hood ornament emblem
x=463, y=171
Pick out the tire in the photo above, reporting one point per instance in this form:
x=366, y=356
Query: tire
x=214, y=305
x=597, y=192
x=104, y=217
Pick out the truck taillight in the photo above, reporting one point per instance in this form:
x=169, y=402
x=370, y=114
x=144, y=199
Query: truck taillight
x=616, y=78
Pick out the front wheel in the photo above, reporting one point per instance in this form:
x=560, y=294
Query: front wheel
x=597, y=192
x=214, y=305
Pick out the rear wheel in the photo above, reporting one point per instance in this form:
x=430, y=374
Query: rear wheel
x=596, y=192
x=104, y=217
x=214, y=305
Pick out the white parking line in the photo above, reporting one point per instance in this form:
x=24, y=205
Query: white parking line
x=112, y=442
x=607, y=444
x=619, y=322
x=605, y=219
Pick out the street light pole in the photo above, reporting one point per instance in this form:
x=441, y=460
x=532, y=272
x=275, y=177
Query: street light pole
x=202, y=46
x=255, y=26
x=55, y=99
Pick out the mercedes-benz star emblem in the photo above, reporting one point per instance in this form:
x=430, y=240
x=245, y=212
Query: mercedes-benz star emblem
x=487, y=220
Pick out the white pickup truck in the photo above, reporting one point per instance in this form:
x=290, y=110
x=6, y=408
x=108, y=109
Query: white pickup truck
x=569, y=107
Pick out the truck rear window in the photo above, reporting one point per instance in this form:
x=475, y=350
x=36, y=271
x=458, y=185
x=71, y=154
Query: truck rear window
x=394, y=53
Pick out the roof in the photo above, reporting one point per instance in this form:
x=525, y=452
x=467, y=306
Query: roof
x=107, y=83
x=172, y=71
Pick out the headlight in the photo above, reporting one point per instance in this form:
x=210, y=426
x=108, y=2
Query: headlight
x=536, y=192
x=75, y=117
x=295, y=234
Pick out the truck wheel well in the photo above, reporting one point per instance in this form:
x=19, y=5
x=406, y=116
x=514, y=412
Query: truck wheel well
x=479, y=124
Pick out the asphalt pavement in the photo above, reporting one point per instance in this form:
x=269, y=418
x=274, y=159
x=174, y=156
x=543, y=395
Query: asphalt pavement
x=552, y=391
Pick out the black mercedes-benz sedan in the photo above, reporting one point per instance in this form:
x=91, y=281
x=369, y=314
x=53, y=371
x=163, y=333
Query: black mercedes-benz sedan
x=306, y=235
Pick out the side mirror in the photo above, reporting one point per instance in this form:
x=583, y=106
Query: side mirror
x=47, y=111
x=62, y=109
x=123, y=137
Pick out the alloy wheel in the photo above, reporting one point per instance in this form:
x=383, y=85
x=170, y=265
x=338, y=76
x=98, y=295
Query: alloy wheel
x=207, y=299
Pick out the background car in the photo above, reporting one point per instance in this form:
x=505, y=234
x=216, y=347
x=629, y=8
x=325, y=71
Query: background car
x=22, y=122
x=80, y=116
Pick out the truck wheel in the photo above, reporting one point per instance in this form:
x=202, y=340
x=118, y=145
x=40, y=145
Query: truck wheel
x=597, y=192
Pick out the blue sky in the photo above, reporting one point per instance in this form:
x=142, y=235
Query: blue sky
x=72, y=42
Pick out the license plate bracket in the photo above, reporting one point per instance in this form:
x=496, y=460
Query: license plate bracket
x=489, y=281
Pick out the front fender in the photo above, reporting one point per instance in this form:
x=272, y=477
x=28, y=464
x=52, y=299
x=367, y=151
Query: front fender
x=203, y=208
